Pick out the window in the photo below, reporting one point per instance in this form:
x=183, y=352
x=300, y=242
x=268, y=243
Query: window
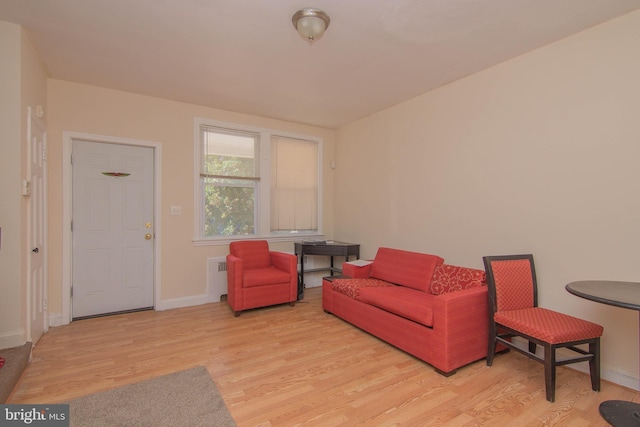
x=255, y=183
x=294, y=185
x=229, y=176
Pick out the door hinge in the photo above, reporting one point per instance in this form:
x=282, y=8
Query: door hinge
x=44, y=154
x=44, y=304
x=72, y=292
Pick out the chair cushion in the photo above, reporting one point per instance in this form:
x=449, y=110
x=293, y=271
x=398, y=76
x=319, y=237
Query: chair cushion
x=412, y=269
x=402, y=301
x=254, y=253
x=450, y=278
x=351, y=287
x=264, y=276
x=548, y=325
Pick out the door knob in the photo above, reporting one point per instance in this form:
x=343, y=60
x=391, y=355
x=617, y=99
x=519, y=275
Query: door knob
x=35, y=250
x=146, y=236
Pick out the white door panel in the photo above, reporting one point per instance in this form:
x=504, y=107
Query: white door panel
x=112, y=228
x=37, y=230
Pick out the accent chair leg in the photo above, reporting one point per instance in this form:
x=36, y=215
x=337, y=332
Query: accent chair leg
x=532, y=347
x=550, y=371
x=237, y=313
x=491, y=345
x=292, y=303
x=594, y=364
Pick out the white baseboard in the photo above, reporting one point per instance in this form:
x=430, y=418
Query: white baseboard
x=12, y=339
x=621, y=379
x=169, y=304
x=55, y=319
x=615, y=377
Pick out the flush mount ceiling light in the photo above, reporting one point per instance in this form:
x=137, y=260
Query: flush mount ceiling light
x=310, y=23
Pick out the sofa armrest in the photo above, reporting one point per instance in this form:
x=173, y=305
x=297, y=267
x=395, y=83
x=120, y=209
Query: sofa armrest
x=285, y=262
x=355, y=271
x=461, y=310
x=289, y=263
x=460, y=320
x=235, y=274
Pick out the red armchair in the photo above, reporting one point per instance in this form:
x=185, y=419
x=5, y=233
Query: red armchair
x=258, y=277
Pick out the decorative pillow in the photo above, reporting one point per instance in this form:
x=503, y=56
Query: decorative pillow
x=351, y=287
x=451, y=278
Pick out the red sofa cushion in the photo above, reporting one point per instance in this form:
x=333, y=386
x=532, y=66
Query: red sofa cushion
x=351, y=287
x=450, y=278
x=402, y=301
x=548, y=325
x=412, y=269
x=265, y=276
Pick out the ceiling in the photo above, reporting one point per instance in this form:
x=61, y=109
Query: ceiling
x=245, y=56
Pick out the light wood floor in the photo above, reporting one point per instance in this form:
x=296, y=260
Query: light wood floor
x=283, y=365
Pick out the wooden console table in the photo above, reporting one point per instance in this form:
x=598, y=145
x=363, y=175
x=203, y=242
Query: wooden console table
x=328, y=248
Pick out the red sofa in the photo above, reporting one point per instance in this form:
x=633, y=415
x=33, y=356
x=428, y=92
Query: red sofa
x=434, y=311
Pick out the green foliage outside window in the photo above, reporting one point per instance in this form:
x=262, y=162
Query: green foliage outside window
x=229, y=204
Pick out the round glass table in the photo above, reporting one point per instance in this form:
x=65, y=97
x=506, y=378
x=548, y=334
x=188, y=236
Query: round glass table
x=618, y=413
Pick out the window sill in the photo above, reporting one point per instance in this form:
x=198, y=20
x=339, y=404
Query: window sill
x=270, y=239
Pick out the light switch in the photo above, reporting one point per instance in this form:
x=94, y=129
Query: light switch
x=26, y=187
x=176, y=210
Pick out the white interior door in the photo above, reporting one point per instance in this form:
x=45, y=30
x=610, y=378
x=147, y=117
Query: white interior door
x=113, y=228
x=35, y=187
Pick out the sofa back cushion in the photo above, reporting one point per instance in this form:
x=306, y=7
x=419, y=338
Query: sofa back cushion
x=450, y=278
x=254, y=253
x=411, y=269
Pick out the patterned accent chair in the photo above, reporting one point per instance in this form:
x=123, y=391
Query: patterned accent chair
x=514, y=311
x=258, y=277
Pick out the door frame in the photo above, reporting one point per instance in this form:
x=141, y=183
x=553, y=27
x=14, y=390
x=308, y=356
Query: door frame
x=67, y=206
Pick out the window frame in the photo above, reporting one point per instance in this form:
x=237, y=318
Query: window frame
x=263, y=197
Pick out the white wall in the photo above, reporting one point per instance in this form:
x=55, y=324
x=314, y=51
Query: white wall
x=536, y=155
x=92, y=110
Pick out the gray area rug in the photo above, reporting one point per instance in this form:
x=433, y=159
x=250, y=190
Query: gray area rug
x=16, y=360
x=186, y=398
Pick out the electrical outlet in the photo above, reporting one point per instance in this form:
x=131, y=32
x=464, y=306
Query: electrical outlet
x=176, y=210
